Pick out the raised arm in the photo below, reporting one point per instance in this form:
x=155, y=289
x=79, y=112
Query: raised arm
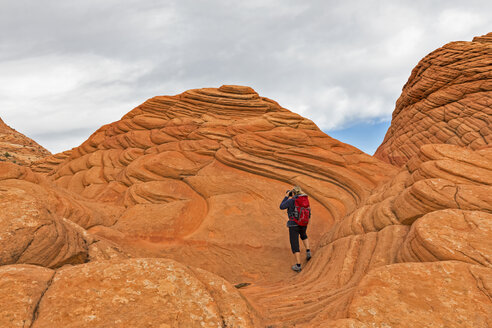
x=286, y=202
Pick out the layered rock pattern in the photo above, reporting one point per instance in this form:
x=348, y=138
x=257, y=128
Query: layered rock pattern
x=199, y=178
x=437, y=209
x=447, y=99
x=37, y=223
x=17, y=148
x=49, y=163
x=439, y=177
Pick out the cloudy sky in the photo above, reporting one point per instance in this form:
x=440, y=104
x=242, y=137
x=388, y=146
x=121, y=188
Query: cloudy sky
x=68, y=67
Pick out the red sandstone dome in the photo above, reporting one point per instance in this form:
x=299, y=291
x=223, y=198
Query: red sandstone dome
x=446, y=100
x=198, y=177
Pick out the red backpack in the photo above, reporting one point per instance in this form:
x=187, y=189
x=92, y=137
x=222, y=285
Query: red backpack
x=302, y=211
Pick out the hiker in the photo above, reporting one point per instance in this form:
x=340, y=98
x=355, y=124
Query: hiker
x=299, y=212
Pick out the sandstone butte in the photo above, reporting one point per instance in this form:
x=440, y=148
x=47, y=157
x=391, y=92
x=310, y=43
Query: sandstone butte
x=155, y=219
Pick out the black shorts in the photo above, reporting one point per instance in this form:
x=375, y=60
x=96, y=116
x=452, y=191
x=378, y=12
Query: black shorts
x=294, y=234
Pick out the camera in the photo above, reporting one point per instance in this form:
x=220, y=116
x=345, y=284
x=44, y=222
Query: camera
x=290, y=192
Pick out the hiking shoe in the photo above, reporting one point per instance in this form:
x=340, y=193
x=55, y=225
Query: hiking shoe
x=308, y=255
x=296, y=268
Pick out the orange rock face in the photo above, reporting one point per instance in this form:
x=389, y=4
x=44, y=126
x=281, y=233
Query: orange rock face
x=438, y=294
x=22, y=287
x=426, y=213
x=446, y=100
x=37, y=223
x=141, y=293
x=17, y=148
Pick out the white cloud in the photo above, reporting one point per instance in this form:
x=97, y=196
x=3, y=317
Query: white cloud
x=55, y=94
x=51, y=75
x=458, y=22
x=404, y=42
x=332, y=108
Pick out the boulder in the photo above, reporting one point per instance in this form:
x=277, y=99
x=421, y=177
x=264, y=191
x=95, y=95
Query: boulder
x=438, y=294
x=141, y=293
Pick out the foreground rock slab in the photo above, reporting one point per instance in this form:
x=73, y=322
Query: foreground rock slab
x=439, y=294
x=141, y=293
x=21, y=288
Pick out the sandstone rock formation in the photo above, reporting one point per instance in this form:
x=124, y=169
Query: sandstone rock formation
x=21, y=288
x=437, y=209
x=37, y=223
x=141, y=293
x=17, y=148
x=198, y=177
x=446, y=100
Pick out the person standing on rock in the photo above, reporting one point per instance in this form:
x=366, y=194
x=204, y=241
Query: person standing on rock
x=296, y=203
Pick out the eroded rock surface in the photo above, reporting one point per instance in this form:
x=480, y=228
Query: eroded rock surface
x=30, y=233
x=446, y=100
x=17, y=148
x=450, y=235
x=21, y=289
x=437, y=209
x=439, y=294
x=141, y=293
x=37, y=223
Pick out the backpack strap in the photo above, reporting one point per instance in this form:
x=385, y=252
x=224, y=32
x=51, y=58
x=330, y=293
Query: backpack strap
x=292, y=216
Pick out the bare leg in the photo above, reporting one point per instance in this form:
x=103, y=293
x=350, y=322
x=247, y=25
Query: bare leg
x=306, y=243
x=298, y=257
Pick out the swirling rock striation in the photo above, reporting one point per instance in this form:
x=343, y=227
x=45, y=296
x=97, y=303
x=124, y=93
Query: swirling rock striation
x=37, y=223
x=432, y=222
x=199, y=177
x=447, y=99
